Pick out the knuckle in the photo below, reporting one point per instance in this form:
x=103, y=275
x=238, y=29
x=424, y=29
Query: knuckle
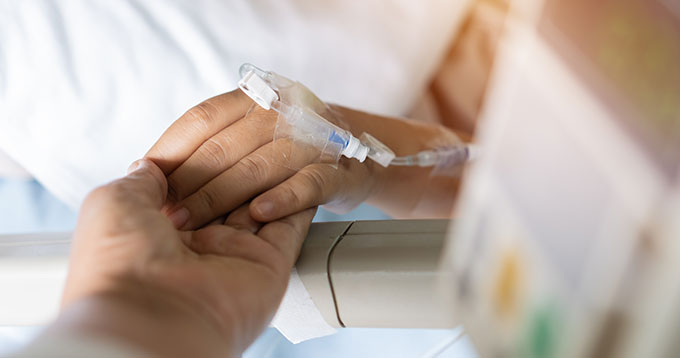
x=107, y=198
x=254, y=168
x=98, y=195
x=262, y=120
x=267, y=118
x=209, y=199
x=292, y=228
x=174, y=190
x=317, y=182
x=215, y=153
x=203, y=114
x=114, y=192
x=291, y=196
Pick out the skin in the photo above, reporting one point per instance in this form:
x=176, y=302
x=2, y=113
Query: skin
x=174, y=259
x=170, y=293
x=220, y=154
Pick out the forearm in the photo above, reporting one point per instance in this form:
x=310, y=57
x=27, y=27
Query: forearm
x=407, y=191
x=146, y=320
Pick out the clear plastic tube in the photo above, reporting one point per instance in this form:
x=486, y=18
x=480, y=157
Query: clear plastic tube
x=441, y=158
x=306, y=126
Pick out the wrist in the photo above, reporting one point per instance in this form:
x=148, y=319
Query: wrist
x=400, y=190
x=378, y=179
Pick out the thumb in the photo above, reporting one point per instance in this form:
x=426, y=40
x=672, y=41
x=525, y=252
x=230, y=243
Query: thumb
x=144, y=184
x=143, y=188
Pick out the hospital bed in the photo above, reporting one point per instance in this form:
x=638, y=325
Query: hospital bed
x=393, y=288
x=359, y=274
x=565, y=243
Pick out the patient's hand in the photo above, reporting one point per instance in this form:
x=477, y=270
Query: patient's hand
x=220, y=154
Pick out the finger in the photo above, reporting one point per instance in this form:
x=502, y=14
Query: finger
x=313, y=185
x=238, y=184
x=252, y=175
x=217, y=221
x=195, y=127
x=240, y=219
x=222, y=151
x=223, y=240
x=276, y=246
x=143, y=188
x=288, y=234
x=145, y=185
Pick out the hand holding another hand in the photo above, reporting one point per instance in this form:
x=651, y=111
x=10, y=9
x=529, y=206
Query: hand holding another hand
x=174, y=293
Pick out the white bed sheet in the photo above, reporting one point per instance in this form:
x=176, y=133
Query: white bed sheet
x=87, y=86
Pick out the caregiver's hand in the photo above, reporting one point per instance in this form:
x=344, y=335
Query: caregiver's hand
x=220, y=154
x=202, y=293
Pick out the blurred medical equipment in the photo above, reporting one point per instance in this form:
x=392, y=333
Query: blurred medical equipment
x=309, y=122
x=566, y=243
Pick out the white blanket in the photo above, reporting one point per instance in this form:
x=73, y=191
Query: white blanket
x=11, y=169
x=87, y=86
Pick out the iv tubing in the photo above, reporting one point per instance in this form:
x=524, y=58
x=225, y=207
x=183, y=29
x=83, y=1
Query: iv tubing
x=441, y=157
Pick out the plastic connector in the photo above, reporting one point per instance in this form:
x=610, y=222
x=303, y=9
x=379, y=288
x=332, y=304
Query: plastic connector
x=377, y=151
x=256, y=88
x=300, y=119
x=355, y=149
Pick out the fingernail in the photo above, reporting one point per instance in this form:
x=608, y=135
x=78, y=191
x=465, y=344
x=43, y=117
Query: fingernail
x=179, y=217
x=136, y=165
x=265, y=208
x=250, y=229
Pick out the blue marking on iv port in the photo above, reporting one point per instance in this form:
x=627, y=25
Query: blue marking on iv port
x=336, y=138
